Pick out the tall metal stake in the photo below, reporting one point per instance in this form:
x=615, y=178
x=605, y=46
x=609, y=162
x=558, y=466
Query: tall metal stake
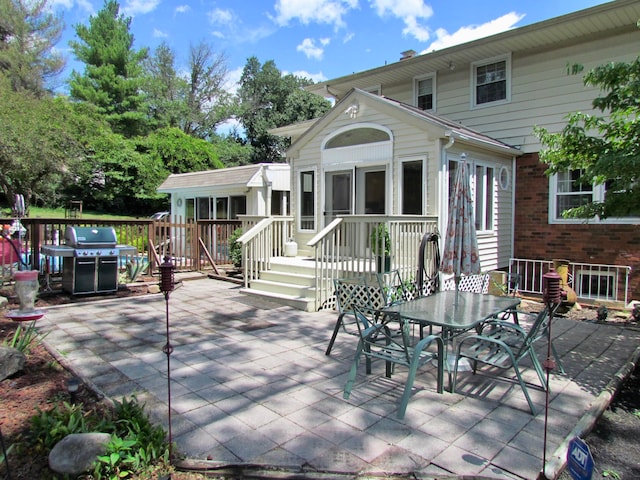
x=552, y=297
x=167, y=284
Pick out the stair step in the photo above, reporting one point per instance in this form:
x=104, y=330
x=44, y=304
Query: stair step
x=300, y=303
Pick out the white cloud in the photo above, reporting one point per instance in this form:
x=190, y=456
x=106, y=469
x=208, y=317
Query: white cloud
x=232, y=81
x=331, y=12
x=68, y=4
x=409, y=11
x=219, y=16
x=159, y=33
x=133, y=7
x=311, y=50
x=348, y=37
x=473, y=32
x=316, y=77
x=182, y=8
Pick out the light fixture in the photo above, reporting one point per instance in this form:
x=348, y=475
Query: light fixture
x=352, y=111
x=73, y=385
x=452, y=66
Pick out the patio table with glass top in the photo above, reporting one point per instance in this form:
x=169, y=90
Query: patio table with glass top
x=454, y=312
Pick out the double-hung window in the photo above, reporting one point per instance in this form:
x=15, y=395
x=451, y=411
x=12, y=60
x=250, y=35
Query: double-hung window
x=491, y=81
x=566, y=192
x=424, y=88
x=484, y=193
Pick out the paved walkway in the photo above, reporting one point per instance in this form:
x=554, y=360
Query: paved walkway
x=250, y=384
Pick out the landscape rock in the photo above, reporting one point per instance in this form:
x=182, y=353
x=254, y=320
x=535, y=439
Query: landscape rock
x=153, y=288
x=11, y=361
x=76, y=453
x=4, y=301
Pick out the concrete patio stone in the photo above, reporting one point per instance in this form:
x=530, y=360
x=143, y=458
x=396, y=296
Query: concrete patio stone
x=250, y=384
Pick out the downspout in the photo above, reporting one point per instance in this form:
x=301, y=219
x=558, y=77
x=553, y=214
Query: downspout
x=443, y=169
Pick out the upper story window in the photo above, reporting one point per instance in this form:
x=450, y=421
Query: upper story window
x=491, y=81
x=566, y=192
x=424, y=88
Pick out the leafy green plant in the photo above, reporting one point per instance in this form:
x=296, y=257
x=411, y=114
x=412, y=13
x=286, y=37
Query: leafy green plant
x=381, y=241
x=136, y=267
x=611, y=473
x=235, y=248
x=24, y=339
x=136, y=445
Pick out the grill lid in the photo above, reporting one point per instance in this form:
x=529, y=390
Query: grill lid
x=86, y=237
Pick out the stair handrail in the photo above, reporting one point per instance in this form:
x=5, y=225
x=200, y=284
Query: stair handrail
x=256, y=250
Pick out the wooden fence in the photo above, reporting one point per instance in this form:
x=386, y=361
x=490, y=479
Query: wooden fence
x=191, y=245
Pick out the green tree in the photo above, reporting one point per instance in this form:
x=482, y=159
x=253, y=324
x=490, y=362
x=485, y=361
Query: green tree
x=166, y=90
x=270, y=99
x=179, y=152
x=604, y=149
x=208, y=102
x=113, y=79
x=43, y=144
x=28, y=33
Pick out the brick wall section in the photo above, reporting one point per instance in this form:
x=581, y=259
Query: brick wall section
x=536, y=239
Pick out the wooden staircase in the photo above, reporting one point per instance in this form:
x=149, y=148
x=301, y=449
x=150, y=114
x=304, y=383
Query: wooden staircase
x=290, y=281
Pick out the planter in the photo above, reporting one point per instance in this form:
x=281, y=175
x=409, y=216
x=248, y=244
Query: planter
x=383, y=264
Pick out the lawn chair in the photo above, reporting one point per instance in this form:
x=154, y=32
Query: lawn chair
x=352, y=292
x=505, y=345
x=378, y=342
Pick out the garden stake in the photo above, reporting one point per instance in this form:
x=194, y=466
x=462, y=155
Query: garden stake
x=167, y=284
x=552, y=297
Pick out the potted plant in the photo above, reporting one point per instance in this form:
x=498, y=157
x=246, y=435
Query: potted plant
x=381, y=247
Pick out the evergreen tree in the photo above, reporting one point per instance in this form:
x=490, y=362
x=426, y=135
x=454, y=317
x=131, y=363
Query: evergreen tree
x=113, y=79
x=28, y=33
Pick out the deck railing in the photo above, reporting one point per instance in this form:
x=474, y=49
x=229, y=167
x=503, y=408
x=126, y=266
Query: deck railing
x=191, y=245
x=344, y=248
x=591, y=281
x=264, y=240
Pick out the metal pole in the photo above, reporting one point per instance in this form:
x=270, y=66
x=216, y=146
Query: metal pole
x=167, y=284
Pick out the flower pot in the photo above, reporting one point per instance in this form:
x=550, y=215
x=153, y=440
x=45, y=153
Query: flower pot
x=26, y=287
x=383, y=264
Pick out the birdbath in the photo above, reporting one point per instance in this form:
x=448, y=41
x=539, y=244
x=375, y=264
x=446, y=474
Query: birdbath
x=26, y=287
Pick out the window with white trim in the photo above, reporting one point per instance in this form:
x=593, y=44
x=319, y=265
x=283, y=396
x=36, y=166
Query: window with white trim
x=424, y=88
x=482, y=179
x=491, y=81
x=413, y=186
x=307, y=201
x=596, y=285
x=566, y=192
x=484, y=194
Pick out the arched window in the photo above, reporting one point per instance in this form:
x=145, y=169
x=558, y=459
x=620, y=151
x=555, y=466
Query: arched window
x=357, y=136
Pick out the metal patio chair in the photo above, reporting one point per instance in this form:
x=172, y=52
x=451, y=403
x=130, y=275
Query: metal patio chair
x=378, y=341
x=352, y=292
x=505, y=345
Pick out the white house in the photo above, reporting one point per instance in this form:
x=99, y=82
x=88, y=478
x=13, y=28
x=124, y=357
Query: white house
x=257, y=190
x=390, y=144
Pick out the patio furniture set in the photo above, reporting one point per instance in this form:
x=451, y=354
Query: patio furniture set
x=389, y=317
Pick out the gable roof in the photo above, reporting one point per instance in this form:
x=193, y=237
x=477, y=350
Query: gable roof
x=444, y=127
x=246, y=175
x=616, y=17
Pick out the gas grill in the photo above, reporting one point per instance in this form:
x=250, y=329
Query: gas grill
x=90, y=259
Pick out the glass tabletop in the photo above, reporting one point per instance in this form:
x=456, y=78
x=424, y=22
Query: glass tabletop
x=442, y=309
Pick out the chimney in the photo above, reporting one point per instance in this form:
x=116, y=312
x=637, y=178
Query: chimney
x=407, y=54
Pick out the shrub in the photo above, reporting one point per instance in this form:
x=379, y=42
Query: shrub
x=235, y=248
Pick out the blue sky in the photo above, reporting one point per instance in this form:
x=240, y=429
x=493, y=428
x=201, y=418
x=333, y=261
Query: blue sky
x=320, y=39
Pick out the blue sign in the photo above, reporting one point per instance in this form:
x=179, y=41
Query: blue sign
x=579, y=460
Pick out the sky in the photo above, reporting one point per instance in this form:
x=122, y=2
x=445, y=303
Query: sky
x=317, y=39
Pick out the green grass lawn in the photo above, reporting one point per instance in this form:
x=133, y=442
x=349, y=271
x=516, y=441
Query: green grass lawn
x=39, y=212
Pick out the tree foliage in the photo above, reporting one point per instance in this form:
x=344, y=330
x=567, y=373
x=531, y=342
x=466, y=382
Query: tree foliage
x=604, y=147
x=113, y=78
x=179, y=152
x=43, y=144
x=270, y=99
x=166, y=90
x=28, y=33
